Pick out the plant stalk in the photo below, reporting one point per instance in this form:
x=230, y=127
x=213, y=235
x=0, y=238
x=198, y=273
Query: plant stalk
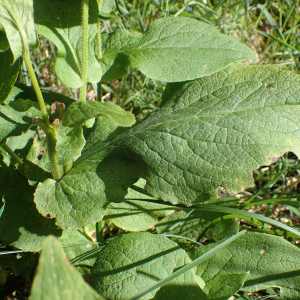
x=34, y=81
x=85, y=37
x=99, y=40
x=14, y=156
x=50, y=134
x=56, y=169
x=99, y=231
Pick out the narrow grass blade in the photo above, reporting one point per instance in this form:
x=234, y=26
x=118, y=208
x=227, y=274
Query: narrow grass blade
x=243, y=213
x=191, y=265
x=182, y=237
x=269, y=184
x=277, y=39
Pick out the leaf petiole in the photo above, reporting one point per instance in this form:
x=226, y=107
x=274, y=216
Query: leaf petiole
x=14, y=156
x=85, y=36
x=56, y=169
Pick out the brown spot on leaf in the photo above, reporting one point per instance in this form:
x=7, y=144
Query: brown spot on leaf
x=273, y=159
x=222, y=191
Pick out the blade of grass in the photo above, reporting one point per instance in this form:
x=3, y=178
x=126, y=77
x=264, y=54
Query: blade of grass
x=243, y=213
x=182, y=237
x=269, y=184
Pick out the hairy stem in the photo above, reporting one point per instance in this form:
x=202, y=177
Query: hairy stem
x=50, y=134
x=99, y=91
x=99, y=231
x=56, y=169
x=34, y=81
x=85, y=36
x=99, y=41
x=14, y=156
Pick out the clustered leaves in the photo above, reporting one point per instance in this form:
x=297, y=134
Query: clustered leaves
x=85, y=161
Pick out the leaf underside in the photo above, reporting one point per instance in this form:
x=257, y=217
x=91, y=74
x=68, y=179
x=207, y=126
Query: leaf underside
x=17, y=16
x=171, y=50
x=210, y=134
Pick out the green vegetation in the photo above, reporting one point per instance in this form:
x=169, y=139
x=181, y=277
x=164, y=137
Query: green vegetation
x=156, y=142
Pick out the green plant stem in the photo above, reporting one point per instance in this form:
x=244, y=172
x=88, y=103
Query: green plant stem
x=99, y=40
x=99, y=91
x=56, y=169
x=85, y=37
x=50, y=134
x=34, y=81
x=14, y=156
x=99, y=231
x=68, y=167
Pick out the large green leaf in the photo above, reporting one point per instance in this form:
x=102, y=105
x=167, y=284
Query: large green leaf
x=208, y=137
x=21, y=225
x=172, y=50
x=60, y=21
x=134, y=262
x=8, y=75
x=271, y=261
x=17, y=19
x=80, y=111
x=57, y=279
x=113, y=63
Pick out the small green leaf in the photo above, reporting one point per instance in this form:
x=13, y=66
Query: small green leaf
x=17, y=114
x=104, y=16
x=19, y=144
x=57, y=279
x=16, y=117
x=60, y=21
x=21, y=225
x=78, y=244
x=17, y=19
x=173, y=50
x=271, y=261
x=8, y=75
x=106, y=6
x=134, y=215
x=79, y=112
x=70, y=142
x=133, y=262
